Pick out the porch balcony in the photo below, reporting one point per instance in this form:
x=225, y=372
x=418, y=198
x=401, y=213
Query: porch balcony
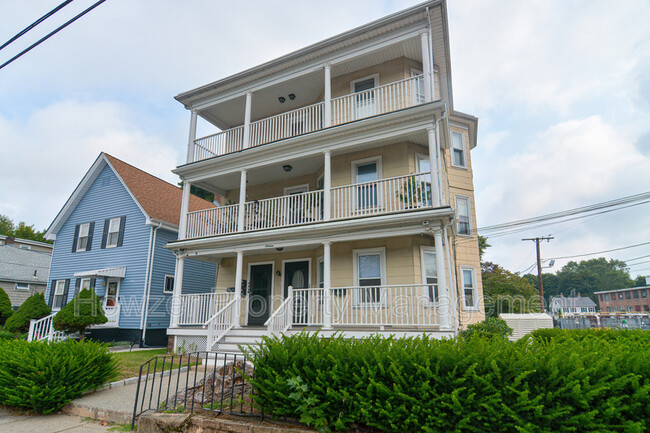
x=366, y=199
x=394, y=96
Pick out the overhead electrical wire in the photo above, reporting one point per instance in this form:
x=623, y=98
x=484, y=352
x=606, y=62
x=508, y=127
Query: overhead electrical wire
x=37, y=22
x=599, y=252
x=52, y=33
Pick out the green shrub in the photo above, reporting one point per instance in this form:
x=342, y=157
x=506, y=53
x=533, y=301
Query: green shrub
x=84, y=310
x=462, y=385
x=490, y=327
x=5, y=307
x=4, y=335
x=44, y=377
x=34, y=307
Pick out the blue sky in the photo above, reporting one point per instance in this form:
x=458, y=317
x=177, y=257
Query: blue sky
x=561, y=90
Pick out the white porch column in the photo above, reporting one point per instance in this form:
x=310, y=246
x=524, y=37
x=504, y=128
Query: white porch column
x=427, y=66
x=185, y=204
x=328, y=96
x=433, y=165
x=327, y=287
x=444, y=300
x=242, y=201
x=178, y=291
x=238, y=279
x=247, y=119
x=192, y=137
x=327, y=186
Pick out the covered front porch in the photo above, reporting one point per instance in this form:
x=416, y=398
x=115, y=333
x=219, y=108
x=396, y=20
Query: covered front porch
x=384, y=281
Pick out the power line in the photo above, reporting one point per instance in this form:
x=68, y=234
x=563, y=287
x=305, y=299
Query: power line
x=639, y=263
x=636, y=258
x=49, y=35
x=37, y=22
x=600, y=252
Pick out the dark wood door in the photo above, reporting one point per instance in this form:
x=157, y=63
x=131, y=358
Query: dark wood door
x=296, y=274
x=259, y=294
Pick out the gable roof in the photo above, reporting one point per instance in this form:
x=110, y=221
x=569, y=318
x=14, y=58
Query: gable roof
x=576, y=302
x=18, y=265
x=159, y=201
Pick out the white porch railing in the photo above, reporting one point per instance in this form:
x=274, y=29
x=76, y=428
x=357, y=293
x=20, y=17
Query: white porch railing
x=406, y=305
x=411, y=191
x=281, y=318
x=378, y=100
x=198, y=309
x=221, y=143
x=284, y=211
x=348, y=108
x=212, y=222
x=307, y=307
x=43, y=329
x=285, y=125
x=221, y=322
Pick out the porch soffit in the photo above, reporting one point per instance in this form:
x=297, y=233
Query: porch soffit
x=311, y=235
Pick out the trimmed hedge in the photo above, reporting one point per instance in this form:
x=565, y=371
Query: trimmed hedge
x=463, y=385
x=34, y=307
x=5, y=335
x=44, y=377
x=84, y=310
x=5, y=307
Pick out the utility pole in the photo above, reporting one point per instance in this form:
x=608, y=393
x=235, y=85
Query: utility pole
x=539, y=266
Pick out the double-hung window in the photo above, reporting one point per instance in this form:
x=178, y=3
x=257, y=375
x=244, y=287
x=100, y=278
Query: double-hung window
x=59, y=294
x=430, y=273
x=462, y=206
x=113, y=232
x=369, y=267
x=469, y=288
x=366, y=173
x=458, y=150
x=23, y=287
x=83, y=240
x=168, y=286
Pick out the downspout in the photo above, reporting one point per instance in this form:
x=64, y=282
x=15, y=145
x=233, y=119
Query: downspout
x=438, y=157
x=145, y=301
x=451, y=264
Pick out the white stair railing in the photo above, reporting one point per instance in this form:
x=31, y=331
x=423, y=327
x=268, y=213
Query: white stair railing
x=197, y=309
x=220, y=323
x=281, y=319
x=43, y=329
x=307, y=307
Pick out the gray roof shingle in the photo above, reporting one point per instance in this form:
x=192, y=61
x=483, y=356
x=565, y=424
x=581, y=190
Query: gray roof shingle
x=17, y=264
x=573, y=302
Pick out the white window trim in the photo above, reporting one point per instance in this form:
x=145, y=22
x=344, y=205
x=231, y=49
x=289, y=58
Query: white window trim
x=22, y=289
x=356, y=162
x=367, y=77
x=78, y=248
x=81, y=283
x=423, y=251
x=319, y=277
x=469, y=214
x=474, y=288
x=419, y=157
x=108, y=234
x=465, y=152
x=167, y=292
x=382, y=267
x=56, y=286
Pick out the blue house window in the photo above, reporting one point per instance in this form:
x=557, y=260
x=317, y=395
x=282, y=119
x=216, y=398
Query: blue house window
x=169, y=284
x=83, y=237
x=113, y=235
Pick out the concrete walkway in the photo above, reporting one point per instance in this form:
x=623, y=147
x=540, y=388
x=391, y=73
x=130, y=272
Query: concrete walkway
x=11, y=423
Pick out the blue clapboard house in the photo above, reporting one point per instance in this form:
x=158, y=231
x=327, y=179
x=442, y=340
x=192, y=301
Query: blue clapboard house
x=110, y=236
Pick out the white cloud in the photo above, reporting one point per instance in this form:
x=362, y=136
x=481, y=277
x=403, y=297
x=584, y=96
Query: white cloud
x=51, y=151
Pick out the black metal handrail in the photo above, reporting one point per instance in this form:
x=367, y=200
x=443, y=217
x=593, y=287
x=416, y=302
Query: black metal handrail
x=206, y=375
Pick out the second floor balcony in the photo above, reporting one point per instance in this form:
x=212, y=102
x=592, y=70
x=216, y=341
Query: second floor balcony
x=404, y=193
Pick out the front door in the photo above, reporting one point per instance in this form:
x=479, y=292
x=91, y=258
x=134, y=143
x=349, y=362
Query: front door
x=296, y=275
x=111, y=299
x=259, y=295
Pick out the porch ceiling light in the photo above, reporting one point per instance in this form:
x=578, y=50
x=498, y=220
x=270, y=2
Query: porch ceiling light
x=292, y=96
x=281, y=99
x=287, y=168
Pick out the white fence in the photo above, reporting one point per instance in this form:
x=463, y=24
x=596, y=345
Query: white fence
x=221, y=322
x=379, y=100
x=212, y=222
x=199, y=308
x=43, y=329
x=308, y=307
x=284, y=211
x=412, y=191
x=286, y=125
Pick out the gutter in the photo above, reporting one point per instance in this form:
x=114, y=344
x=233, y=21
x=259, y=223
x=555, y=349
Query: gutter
x=147, y=292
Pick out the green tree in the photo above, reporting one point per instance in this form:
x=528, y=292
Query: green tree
x=482, y=246
x=5, y=307
x=506, y=292
x=6, y=226
x=34, y=307
x=84, y=310
x=199, y=192
x=640, y=281
x=22, y=230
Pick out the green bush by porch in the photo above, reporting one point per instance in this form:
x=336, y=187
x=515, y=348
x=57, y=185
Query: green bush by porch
x=84, y=310
x=5, y=307
x=467, y=384
x=44, y=377
x=34, y=307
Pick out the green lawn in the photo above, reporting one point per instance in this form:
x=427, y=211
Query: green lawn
x=130, y=362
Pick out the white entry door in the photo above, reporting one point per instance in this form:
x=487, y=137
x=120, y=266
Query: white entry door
x=111, y=304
